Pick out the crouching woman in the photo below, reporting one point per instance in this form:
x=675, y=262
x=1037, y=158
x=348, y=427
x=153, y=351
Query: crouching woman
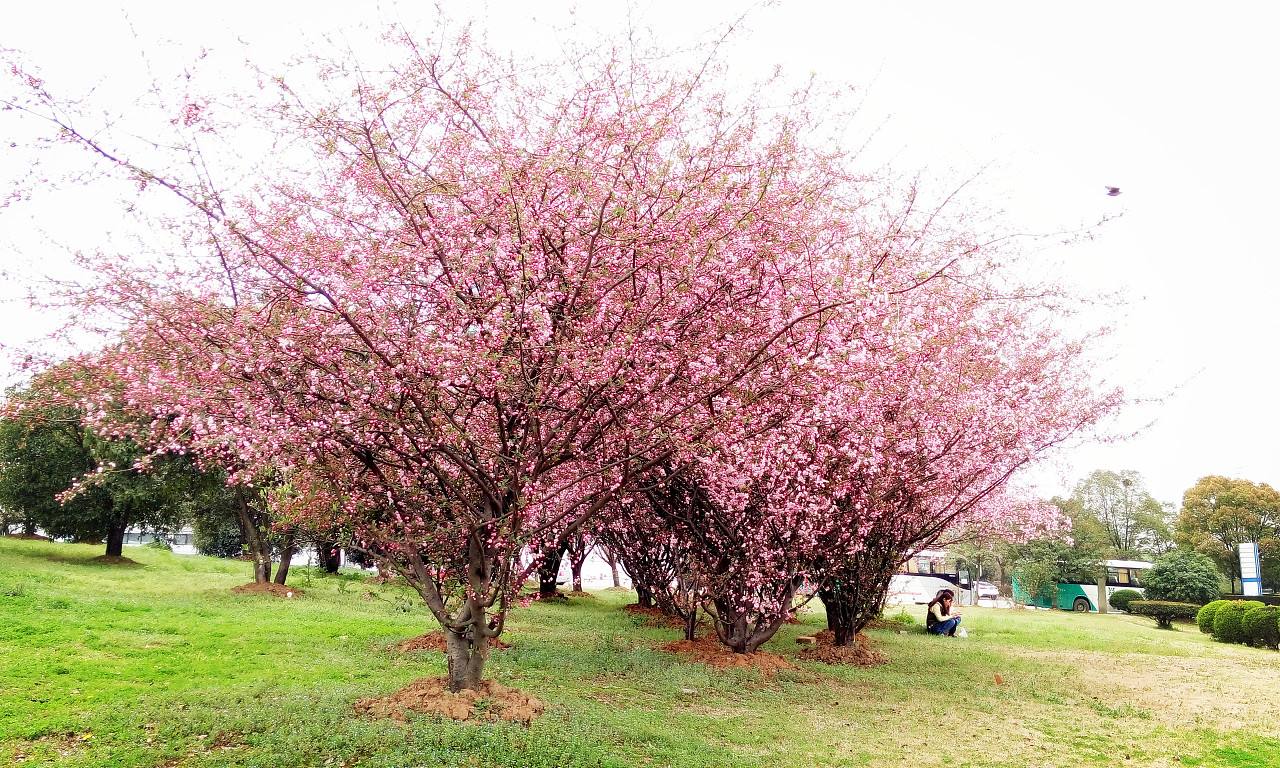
x=939, y=620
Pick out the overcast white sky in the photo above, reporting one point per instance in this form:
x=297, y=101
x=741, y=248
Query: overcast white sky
x=1175, y=104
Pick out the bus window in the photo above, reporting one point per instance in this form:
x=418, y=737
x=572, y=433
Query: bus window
x=1133, y=577
x=1118, y=577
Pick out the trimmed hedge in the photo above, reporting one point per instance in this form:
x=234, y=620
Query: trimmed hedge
x=1121, y=598
x=1228, y=622
x=1163, y=611
x=1261, y=625
x=1205, y=617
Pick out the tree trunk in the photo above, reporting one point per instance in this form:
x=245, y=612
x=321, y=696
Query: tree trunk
x=855, y=599
x=466, y=659
x=644, y=598
x=577, y=547
x=255, y=539
x=612, y=560
x=744, y=632
x=286, y=557
x=468, y=628
x=328, y=555
x=115, y=536
x=549, y=572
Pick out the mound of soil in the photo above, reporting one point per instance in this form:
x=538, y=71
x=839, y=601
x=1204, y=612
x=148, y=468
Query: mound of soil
x=580, y=593
x=260, y=588
x=114, y=560
x=709, y=651
x=431, y=696
x=434, y=641
x=28, y=537
x=858, y=654
x=653, y=616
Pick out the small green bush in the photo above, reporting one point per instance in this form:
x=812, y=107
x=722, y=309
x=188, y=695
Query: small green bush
x=1228, y=622
x=159, y=543
x=1205, y=617
x=1121, y=598
x=902, y=618
x=1163, y=611
x=1261, y=625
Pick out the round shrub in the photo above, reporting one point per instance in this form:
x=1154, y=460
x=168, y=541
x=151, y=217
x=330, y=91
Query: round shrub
x=1205, y=617
x=1261, y=624
x=1163, y=611
x=1228, y=622
x=1182, y=576
x=1121, y=598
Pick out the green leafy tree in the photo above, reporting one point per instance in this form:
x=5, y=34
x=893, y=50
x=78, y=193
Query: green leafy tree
x=45, y=450
x=1134, y=524
x=1040, y=565
x=1183, y=576
x=1219, y=513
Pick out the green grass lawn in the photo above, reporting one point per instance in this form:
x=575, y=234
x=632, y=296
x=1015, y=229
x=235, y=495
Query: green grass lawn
x=160, y=665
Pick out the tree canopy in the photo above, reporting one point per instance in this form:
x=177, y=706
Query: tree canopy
x=1218, y=513
x=1131, y=518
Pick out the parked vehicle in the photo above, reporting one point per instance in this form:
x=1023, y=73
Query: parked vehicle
x=988, y=591
x=1083, y=597
x=909, y=588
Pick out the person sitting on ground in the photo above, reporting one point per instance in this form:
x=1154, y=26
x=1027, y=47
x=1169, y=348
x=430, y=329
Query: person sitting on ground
x=939, y=620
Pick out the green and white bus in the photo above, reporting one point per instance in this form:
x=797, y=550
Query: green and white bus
x=1073, y=596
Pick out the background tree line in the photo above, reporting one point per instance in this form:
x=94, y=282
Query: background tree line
x=1114, y=516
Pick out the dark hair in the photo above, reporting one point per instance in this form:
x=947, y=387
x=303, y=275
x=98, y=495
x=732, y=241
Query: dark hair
x=943, y=594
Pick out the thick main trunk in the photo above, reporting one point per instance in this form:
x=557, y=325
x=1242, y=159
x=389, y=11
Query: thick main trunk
x=549, y=571
x=115, y=536
x=468, y=626
x=644, y=598
x=286, y=557
x=577, y=576
x=466, y=657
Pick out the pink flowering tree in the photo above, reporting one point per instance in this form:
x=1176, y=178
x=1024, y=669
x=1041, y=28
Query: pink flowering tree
x=930, y=448
x=476, y=301
x=909, y=435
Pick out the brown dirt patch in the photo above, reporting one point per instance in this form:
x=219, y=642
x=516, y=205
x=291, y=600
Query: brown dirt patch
x=431, y=696
x=858, y=654
x=709, y=651
x=434, y=641
x=28, y=537
x=653, y=616
x=113, y=560
x=580, y=593
x=259, y=588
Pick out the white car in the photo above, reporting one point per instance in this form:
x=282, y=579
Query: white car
x=918, y=589
x=988, y=591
